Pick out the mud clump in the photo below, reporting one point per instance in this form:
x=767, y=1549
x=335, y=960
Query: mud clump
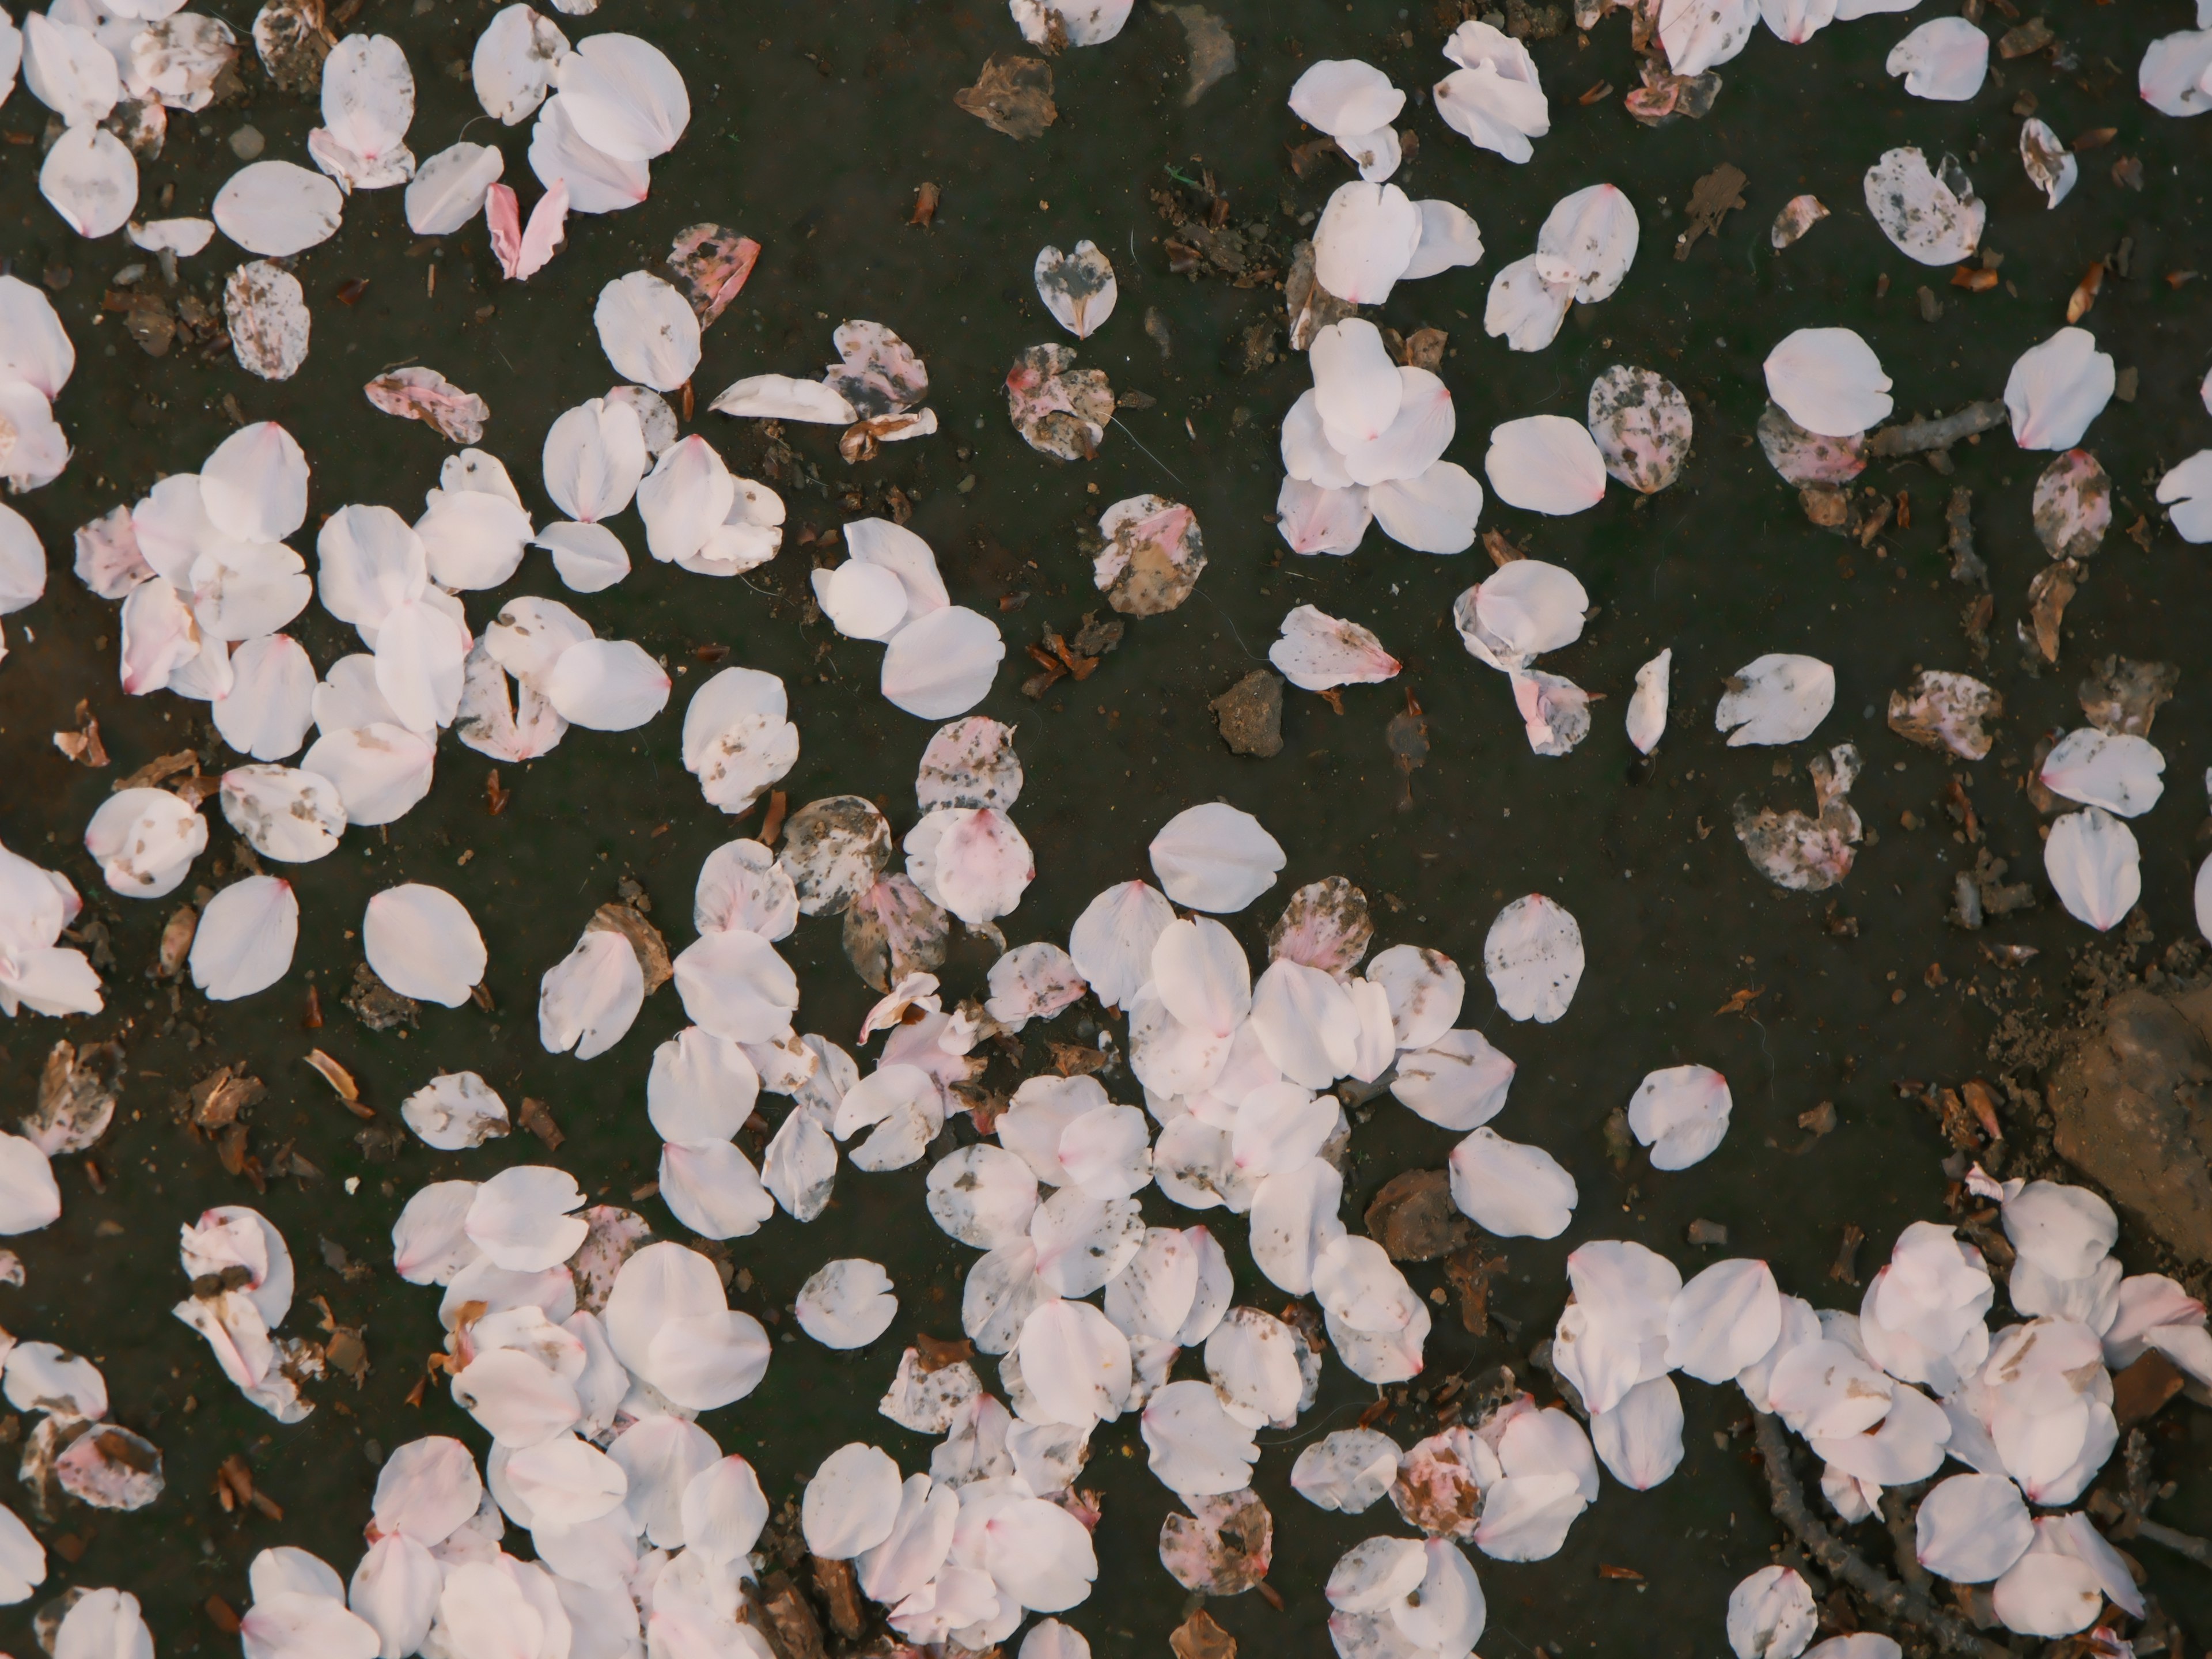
x=2132, y=1103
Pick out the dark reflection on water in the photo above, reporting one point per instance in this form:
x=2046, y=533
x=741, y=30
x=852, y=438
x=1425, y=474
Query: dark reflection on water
x=812, y=128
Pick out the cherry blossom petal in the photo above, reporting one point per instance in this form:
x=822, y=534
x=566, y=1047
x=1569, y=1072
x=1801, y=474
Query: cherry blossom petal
x=847, y=1303
x=422, y=943
x=1510, y=1190
x=2092, y=860
x=1779, y=698
x=1829, y=381
x=381, y=770
x=1457, y=1082
x=1533, y=957
x=512, y=65
x=1215, y=858
x=1681, y=1114
x=447, y=190
x=1946, y=60
x=647, y=331
x=588, y=999
x=1971, y=1528
x=1697, y=35
x=276, y=208
x=1930, y=216
x=626, y=98
x=90, y=177
x=1365, y=239
x=1771, y=1614
x=293, y=817
x=2057, y=388
x=2116, y=770
x=942, y=664
x=144, y=842
x=245, y=940
x=1640, y=1439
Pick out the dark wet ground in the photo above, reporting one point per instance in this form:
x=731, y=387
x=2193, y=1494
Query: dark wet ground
x=812, y=128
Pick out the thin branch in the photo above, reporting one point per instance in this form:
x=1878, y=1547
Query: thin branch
x=2181, y=1543
x=1915, y=437
x=1900, y=1603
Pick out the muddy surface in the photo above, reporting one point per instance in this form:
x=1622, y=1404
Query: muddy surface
x=813, y=130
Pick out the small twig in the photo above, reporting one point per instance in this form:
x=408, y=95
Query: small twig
x=2181, y=1543
x=1901, y=1603
x=1915, y=437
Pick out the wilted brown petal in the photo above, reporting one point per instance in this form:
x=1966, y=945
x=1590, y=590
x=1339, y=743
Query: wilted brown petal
x=425, y=395
x=893, y=930
x=1946, y=711
x=76, y=1097
x=1324, y=926
x=1152, y=557
x=1807, y=854
x=2073, y=506
x=1223, y=1548
x=2124, y=694
x=1061, y=410
x=714, y=261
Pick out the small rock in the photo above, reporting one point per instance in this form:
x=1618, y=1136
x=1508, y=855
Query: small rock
x=1414, y=1218
x=2133, y=1103
x=247, y=143
x=1250, y=715
x=1707, y=1232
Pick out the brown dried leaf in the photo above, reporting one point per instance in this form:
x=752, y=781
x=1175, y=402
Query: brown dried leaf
x=2049, y=593
x=1199, y=1638
x=1711, y=200
x=652, y=959
x=1012, y=95
x=1414, y=1219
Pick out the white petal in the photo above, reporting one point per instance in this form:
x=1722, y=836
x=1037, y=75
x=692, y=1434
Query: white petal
x=1357, y=389
x=1681, y=1114
x=1545, y=463
x=1533, y=957
x=1971, y=1528
x=646, y=329
x=90, y=177
x=1077, y=288
x=66, y=69
x=1214, y=857
x=454, y=1111
x=145, y=841
x=588, y=999
x=1829, y=381
x=276, y=208
x=2057, y=388
x=593, y=458
x=1449, y=239
x=1647, y=708
x=1946, y=60
x=1700, y=34
x=1343, y=95
x=270, y=703
x=1434, y=512
x=1771, y=1614
x=1936, y=219
x=1782, y=699
x=1457, y=1082
x=1365, y=239
x=1640, y=1439
x=942, y=664
x=422, y=943
x=512, y=65
x=2092, y=860
x=1596, y=233
x=294, y=817
x=846, y=1304
x=851, y=1504
x=1510, y=1190
x=596, y=182
x=245, y=940
x=381, y=770
x=447, y=190
x=607, y=685
x=2116, y=770
x=626, y=98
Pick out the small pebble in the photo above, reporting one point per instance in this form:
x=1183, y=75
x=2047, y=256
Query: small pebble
x=246, y=143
